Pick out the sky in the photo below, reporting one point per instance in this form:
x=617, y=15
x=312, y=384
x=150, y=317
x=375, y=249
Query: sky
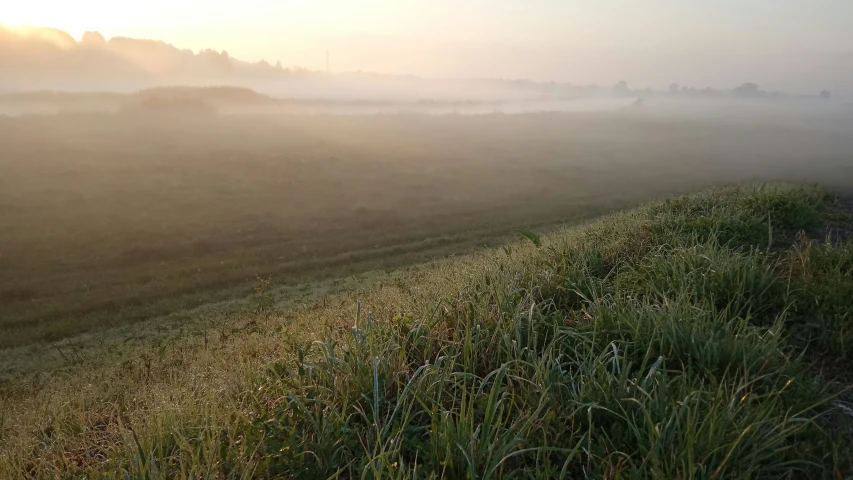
x=791, y=45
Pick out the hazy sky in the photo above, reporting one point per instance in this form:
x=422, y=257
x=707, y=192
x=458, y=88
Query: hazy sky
x=795, y=45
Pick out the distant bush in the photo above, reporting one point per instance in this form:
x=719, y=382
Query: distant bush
x=179, y=106
x=206, y=94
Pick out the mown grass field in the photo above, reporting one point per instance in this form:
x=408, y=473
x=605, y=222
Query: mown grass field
x=111, y=219
x=706, y=336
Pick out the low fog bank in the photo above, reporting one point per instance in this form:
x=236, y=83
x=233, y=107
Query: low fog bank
x=492, y=97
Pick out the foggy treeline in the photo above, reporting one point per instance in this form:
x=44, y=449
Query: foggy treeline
x=49, y=59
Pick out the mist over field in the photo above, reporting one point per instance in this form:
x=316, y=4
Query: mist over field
x=138, y=198
x=137, y=174
x=426, y=239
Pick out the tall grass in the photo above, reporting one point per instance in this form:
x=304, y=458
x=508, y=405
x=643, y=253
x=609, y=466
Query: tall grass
x=681, y=340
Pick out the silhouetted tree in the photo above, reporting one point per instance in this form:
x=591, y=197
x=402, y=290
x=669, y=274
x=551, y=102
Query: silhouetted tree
x=825, y=94
x=749, y=90
x=93, y=38
x=621, y=88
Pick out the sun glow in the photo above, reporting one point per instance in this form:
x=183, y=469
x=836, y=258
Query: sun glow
x=65, y=16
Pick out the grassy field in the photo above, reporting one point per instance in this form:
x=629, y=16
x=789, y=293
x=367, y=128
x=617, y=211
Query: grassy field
x=111, y=219
x=707, y=336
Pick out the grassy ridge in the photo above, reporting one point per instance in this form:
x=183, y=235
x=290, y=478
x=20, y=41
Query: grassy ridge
x=704, y=337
